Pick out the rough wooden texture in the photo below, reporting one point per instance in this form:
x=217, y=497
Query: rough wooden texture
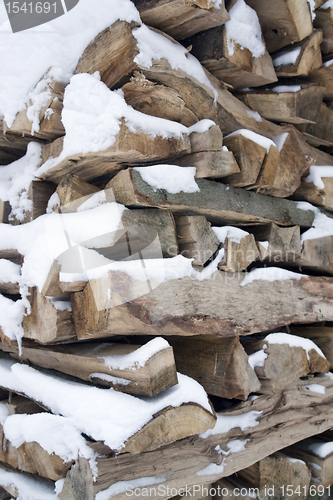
x=239, y=69
x=320, y=133
x=322, y=336
x=292, y=24
x=129, y=148
x=211, y=164
x=239, y=255
x=73, y=191
x=324, y=21
x=46, y=324
x=309, y=58
x=302, y=106
x=50, y=124
x=317, y=255
x=219, y=203
x=39, y=193
x=249, y=156
x=324, y=76
x=187, y=306
x=283, y=244
x=180, y=18
x=232, y=486
x=11, y=288
x=196, y=239
x=310, y=192
x=11, y=148
x=219, y=365
x=285, y=419
x=5, y=210
x=86, y=361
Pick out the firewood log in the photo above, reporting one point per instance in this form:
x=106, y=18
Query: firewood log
x=320, y=133
x=196, y=238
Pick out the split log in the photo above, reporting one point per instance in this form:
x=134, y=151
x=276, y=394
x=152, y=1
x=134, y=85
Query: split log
x=211, y=164
x=231, y=487
x=324, y=76
x=256, y=307
x=281, y=421
x=93, y=362
x=322, y=336
x=324, y=21
x=73, y=191
x=286, y=103
x=180, y=18
x=239, y=252
x=317, y=255
x=316, y=188
x=220, y=204
x=50, y=124
x=238, y=68
x=39, y=194
x=293, y=23
x=49, y=322
x=271, y=475
x=219, y=365
x=299, y=59
x=15, y=484
x=278, y=244
x=320, y=133
x=196, y=239
x=129, y=148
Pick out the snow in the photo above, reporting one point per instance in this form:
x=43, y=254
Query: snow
x=234, y=447
x=254, y=114
x=253, y=136
x=93, y=201
x=265, y=244
x=27, y=486
x=293, y=341
x=280, y=140
x=327, y=5
x=225, y=423
x=319, y=389
x=322, y=225
x=289, y=57
x=102, y=414
x=61, y=305
x=109, y=378
x=258, y=358
x=11, y=317
x=9, y=272
x=317, y=173
x=320, y=449
x=172, y=178
x=295, y=460
x=233, y=233
x=137, y=358
x=328, y=63
x=270, y=274
x=25, y=56
x=244, y=29
x=314, y=466
x=129, y=486
x=312, y=5
x=286, y=88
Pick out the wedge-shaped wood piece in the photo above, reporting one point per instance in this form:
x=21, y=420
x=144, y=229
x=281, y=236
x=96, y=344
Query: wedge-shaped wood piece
x=157, y=100
x=211, y=164
x=273, y=473
x=143, y=370
x=249, y=155
x=322, y=336
x=324, y=76
x=220, y=365
x=188, y=306
x=73, y=191
x=219, y=203
x=49, y=120
x=287, y=103
x=196, y=238
x=324, y=21
x=180, y=18
x=239, y=254
x=278, y=244
x=317, y=187
x=317, y=255
x=50, y=320
x=237, y=67
x=280, y=360
x=320, y=133
x=299, y=59
x=292, y=24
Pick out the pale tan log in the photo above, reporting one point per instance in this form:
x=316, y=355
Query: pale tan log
x=239, y=69
x=211, y=164
x=187, y=306
x=73, y=191
x=220, y=204
x=311, y=193
x=196, y=238
x=239, y=255
x=324, y=76
x=292, y=24
x=180, y=18
x=278, y=244
x=324, y=21
x=129, y=148
x=301, y=106
x=317, y=255
x=86, y=361
x=219, y=365
x=320, y=133
x=273, y=474
x=50, y=124
x=282, y=170
x=51, y=286
x=46, y=324
x=157, y=100
x=322, y=336
x=309, y=58
x=249, y=156
x=283, y=421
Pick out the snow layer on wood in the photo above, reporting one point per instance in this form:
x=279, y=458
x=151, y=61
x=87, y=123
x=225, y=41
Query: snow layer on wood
x=280, y=140
x=225, y=423
x=327, y=5
x=244, y=29
x=11, y=316
x=328, y=63
x=103, y=414
x=314, y=466
x=322, y=450
x=16, y=178
x=61, y=305
x=28, y=487
x=253, y=136
x=26, y=56
x=233, y=233
x=129, y=486
x=9, y=272
x=286, y=88
x=258, y=358
x=317, y=173
x=172, y=178
x=319, y=389
x=322, y=225
x=289, y=57
x=270, y=274
x=234, y=447
x=137, y=358
x=155, y=46
x=110, y=378
x=93, y=201
x=312, y=5
x=293, y=341
x=254, y=114
x=295, y=460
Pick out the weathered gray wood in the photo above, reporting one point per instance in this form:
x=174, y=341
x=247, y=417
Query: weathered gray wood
x=196, y=239
x=324, y=21
x=211, y=164
x=323, y=76
x=187, y=306
x=319, y=133
x=278, y=244
x=238, y=255
x=219, y=203
x=322, y=336
x=317, y=255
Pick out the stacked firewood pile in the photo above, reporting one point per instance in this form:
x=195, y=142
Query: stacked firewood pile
x=166, y=274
